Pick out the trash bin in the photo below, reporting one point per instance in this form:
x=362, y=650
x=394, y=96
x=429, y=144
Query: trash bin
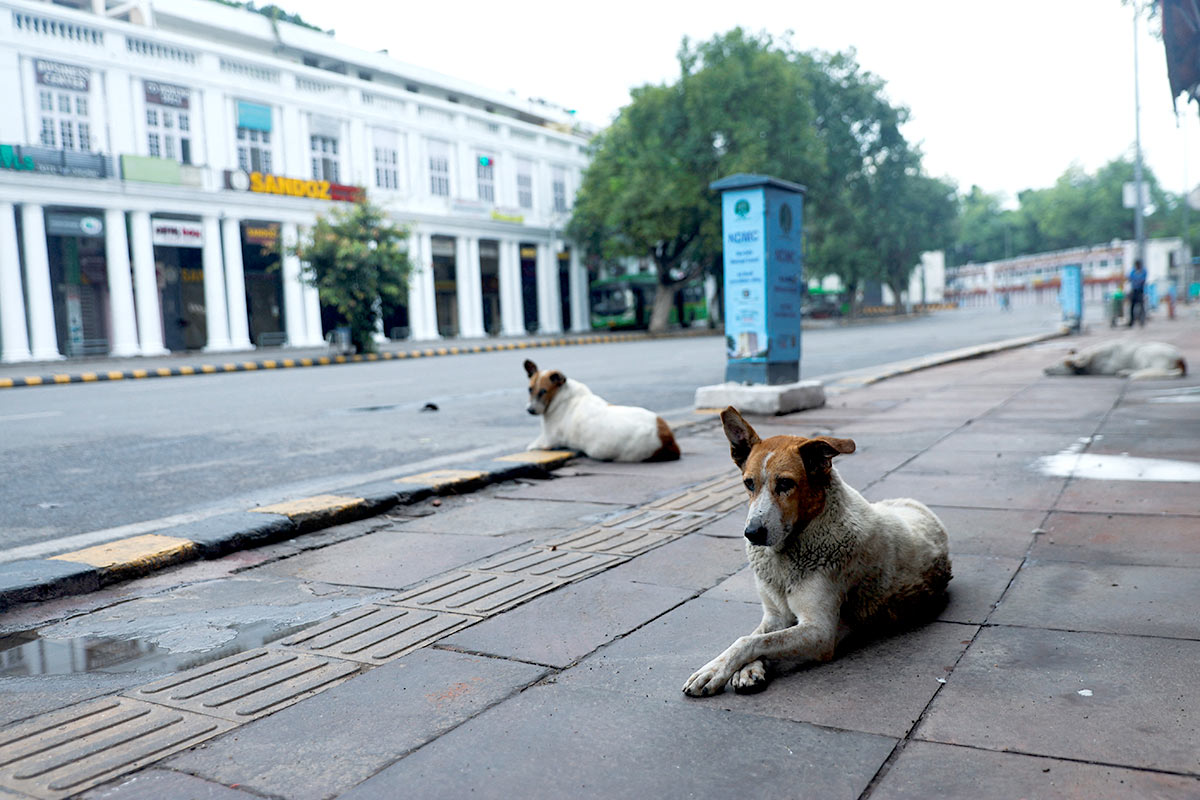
x=1116, y=308
x=339, y=341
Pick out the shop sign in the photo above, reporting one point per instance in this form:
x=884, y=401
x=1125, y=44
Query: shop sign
x=507, y=216
x=11, y=158
x=59, y=223
x=62, y=76
x=176, y=233
x=261, y=233
x=265, y=183
x=151, y=170
x=468, y=206
x=166, y=94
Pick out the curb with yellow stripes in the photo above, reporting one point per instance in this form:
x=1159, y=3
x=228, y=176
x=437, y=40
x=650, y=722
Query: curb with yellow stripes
x=86, y=570
x=324, y=361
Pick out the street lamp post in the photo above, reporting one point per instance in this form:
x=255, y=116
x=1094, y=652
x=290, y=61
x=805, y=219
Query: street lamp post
x=1139, y=232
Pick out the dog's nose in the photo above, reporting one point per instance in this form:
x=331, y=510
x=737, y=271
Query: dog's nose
x=531, y=410
x=756, y=534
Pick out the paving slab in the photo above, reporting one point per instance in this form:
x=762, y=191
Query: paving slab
x=27, y=696
x=342, y=737
x=1109, y=598
x=491, y=516
x=1155, y=444
x=989, y=531
x=696, y=463
x=691, y=562
x=387, y=559
x=924, y=770
x=1131, y=497
x=552, y=741
x=1003, y=491
x=1119, y=539
x=1000, y=436
x=730, y=526
x=1019, y=689
x=977, y=585
x=157, y=784
x=561, y=627
x=621, y=490
x=875, y=686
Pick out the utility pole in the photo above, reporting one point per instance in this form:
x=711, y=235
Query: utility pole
x=1139, y=232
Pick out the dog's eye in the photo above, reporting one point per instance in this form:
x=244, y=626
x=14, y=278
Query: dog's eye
x=749, y=483
x=541, y=392
x=784, y=485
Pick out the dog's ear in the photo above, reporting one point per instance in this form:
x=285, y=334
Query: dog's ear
x=530, y=368
x=818, y=453
x=557, y=378
x=741, y=436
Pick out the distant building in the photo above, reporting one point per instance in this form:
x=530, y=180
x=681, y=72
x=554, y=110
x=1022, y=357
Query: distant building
x=151, y=154
x=1036, y=278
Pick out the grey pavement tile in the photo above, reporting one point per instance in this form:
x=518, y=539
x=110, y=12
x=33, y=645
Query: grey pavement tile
x=946, y=461
x=563, y=626
x=1120, y=539
x=925, y=770
x=691, y=562
x=989, y=531
x=1020, y=689
x=557, y=742
x=1159, y=445
x=158, y=784
x=1130, y=422
x=875, y=685
x=731, y=526
x=699, y=460
x=27, y=696
x=1107, y=598
x=1131, y=497
x=990, y=490
x=331, y=742
x=491, y=516
x=622, y=490
x=1005, y=437
x=388, y=559
x=738, y=587
x=977, y=585
x=894, y=435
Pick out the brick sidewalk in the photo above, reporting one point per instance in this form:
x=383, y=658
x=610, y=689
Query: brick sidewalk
x=530, y=640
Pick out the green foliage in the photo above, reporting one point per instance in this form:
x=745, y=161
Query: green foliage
x=358, y=260
x=273, y=12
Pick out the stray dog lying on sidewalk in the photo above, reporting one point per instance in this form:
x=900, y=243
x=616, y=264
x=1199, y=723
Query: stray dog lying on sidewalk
x=1124, y=358
x=574, y=417
x=822, y=555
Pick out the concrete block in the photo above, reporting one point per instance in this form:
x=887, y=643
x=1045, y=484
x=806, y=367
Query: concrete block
x=762, y=400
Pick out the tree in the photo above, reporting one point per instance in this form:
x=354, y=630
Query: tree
x=358, y=260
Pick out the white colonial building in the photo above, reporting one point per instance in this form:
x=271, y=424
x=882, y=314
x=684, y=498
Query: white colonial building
x=153, y=153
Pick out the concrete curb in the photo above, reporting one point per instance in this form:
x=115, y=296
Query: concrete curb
x=224, y=367
x=87, y=570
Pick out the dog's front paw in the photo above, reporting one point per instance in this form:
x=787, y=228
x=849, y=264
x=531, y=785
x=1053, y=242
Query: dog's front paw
x=750, y=678
x=708, y=680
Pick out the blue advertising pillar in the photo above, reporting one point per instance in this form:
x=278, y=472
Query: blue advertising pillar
x=762, y=234
x=1070, y=296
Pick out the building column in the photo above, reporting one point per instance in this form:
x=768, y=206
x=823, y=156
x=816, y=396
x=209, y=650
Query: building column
x=145, y=285
x=42, y=333
x=216, y=319
x=312, y=315
x=235, y=283
x=124, y=340
x=469, y=287
x=13, y=335
x=422, y=304
x=580, y=316
x=293, y=299
x=512, y=306
x=549, y=312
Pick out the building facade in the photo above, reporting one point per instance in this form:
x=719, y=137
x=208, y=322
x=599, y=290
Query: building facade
x=153, y=156
x=1036, y=278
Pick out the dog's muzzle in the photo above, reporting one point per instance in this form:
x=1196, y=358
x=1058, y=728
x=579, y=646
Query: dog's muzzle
x=756, y=535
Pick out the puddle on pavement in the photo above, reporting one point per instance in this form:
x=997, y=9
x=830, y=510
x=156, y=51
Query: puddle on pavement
x=1074, y=463
x=27, y=653
x=1188, y=394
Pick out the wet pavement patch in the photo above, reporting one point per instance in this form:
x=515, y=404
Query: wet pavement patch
x=1074, y=463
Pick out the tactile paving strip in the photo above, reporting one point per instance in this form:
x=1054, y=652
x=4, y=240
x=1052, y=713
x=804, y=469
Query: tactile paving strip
x=65, y=752
x=376, y=634
x=660, y=519
x=476, y=593
x=611, y=541
x=561, y=565
x=248, y=685
x=716, y=496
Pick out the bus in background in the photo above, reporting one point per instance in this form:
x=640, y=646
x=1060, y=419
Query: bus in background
x=626, y=302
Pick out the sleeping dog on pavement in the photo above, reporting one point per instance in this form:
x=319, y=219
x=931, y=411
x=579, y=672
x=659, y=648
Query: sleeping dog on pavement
x=574, y=417
x=822, y=556
x=1125, y=358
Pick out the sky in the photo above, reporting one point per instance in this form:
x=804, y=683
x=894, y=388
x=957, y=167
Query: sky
x=1005, y=95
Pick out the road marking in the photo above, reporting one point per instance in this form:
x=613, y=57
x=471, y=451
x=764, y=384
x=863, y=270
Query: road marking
x=31, y=415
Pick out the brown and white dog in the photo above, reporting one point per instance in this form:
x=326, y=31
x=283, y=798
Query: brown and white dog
x=1125, y=358
x=574, y=417
x=823, y=557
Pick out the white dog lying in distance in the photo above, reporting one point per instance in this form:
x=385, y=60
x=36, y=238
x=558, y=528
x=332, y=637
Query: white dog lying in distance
x=822, y=556
x=1124, y=358
x=574, y=417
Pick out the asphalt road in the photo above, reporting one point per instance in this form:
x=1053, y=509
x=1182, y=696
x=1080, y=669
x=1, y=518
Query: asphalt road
x=84, y=463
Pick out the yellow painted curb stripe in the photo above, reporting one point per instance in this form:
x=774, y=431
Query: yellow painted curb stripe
x=131, y=553
x=543, y=457
x=441, y=478
x=318, y=504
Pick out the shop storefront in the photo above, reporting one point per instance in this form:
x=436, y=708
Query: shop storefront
x=489, y=276
x=445, y=285
x=529, y=284
x=79, y=280
x=179, y=267
x=264, y=282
